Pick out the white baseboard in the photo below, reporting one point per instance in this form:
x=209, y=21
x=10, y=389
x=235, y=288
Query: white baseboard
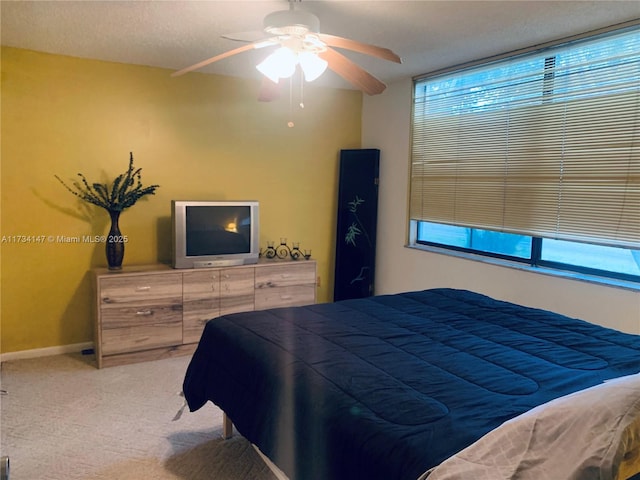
x=45, y=352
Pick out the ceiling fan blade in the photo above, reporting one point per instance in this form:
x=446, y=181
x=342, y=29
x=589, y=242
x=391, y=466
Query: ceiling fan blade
x=251, y=36
x=269, y=91
x=227, y=54
x=352, y=72
x=359, y=47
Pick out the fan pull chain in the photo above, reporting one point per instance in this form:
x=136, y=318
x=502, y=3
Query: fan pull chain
x=301, y=104
x=290, y=124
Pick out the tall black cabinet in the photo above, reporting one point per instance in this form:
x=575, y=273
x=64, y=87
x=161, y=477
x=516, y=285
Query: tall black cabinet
x=357, y=221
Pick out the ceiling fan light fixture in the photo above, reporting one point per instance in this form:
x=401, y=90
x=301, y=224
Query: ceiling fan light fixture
x=280, y=64
x=312, y=65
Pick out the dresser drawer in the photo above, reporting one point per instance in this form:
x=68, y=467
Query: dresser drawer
x=141, y=290
x=138, y=337
x=140, y=315
x=290, y=296
x=200, y=284
x=286, y=275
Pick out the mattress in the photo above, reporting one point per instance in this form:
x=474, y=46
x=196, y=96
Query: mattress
x=390, y=386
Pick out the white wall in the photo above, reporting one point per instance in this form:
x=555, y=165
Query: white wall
x=386, y=125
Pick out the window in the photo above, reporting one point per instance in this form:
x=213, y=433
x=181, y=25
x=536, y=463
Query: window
x=600, y=260
x=534, y=158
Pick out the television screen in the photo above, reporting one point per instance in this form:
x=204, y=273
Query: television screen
x=217, y=230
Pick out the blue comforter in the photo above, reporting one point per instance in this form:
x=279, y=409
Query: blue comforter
x=389, y=386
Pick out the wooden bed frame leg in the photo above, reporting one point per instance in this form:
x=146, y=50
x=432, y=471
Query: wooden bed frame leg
x=227, y=427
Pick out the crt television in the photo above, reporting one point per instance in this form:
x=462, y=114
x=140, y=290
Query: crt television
x=214, y=233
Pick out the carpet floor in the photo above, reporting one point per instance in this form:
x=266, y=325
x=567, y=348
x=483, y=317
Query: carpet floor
x=63, y=419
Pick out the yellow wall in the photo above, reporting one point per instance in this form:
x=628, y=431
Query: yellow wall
x=197, y=136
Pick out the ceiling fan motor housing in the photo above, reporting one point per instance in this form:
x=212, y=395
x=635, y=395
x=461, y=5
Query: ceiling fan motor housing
x=291, y=22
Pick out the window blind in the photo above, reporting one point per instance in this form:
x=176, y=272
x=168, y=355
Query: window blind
x=544, y=144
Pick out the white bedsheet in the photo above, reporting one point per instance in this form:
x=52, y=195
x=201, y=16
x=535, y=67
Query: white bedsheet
x=582, y=436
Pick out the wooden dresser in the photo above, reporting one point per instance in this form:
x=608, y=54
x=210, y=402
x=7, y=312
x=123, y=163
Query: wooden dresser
x=150, y=312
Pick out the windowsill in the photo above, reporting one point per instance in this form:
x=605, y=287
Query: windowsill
x=609, y=282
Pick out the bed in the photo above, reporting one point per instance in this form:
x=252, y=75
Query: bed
x=407, y=386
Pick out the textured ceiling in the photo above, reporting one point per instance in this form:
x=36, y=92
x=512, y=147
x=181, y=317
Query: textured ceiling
x=428, y=35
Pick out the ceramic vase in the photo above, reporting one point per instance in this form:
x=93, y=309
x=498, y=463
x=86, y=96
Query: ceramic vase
x=114, y=243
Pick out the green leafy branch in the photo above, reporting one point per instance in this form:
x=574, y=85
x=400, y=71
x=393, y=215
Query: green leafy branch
x=353, y=231
x=353, y=204
x=124, y=192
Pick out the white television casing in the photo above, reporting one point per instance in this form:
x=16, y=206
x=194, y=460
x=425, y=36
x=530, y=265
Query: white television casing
x=212, y=234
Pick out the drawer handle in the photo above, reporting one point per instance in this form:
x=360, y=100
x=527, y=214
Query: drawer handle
x=286, y=275
x=144, y=313
x=285, y=297
x=143, y=289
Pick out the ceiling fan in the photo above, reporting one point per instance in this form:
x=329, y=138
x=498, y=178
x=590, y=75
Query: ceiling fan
x=296, y=37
